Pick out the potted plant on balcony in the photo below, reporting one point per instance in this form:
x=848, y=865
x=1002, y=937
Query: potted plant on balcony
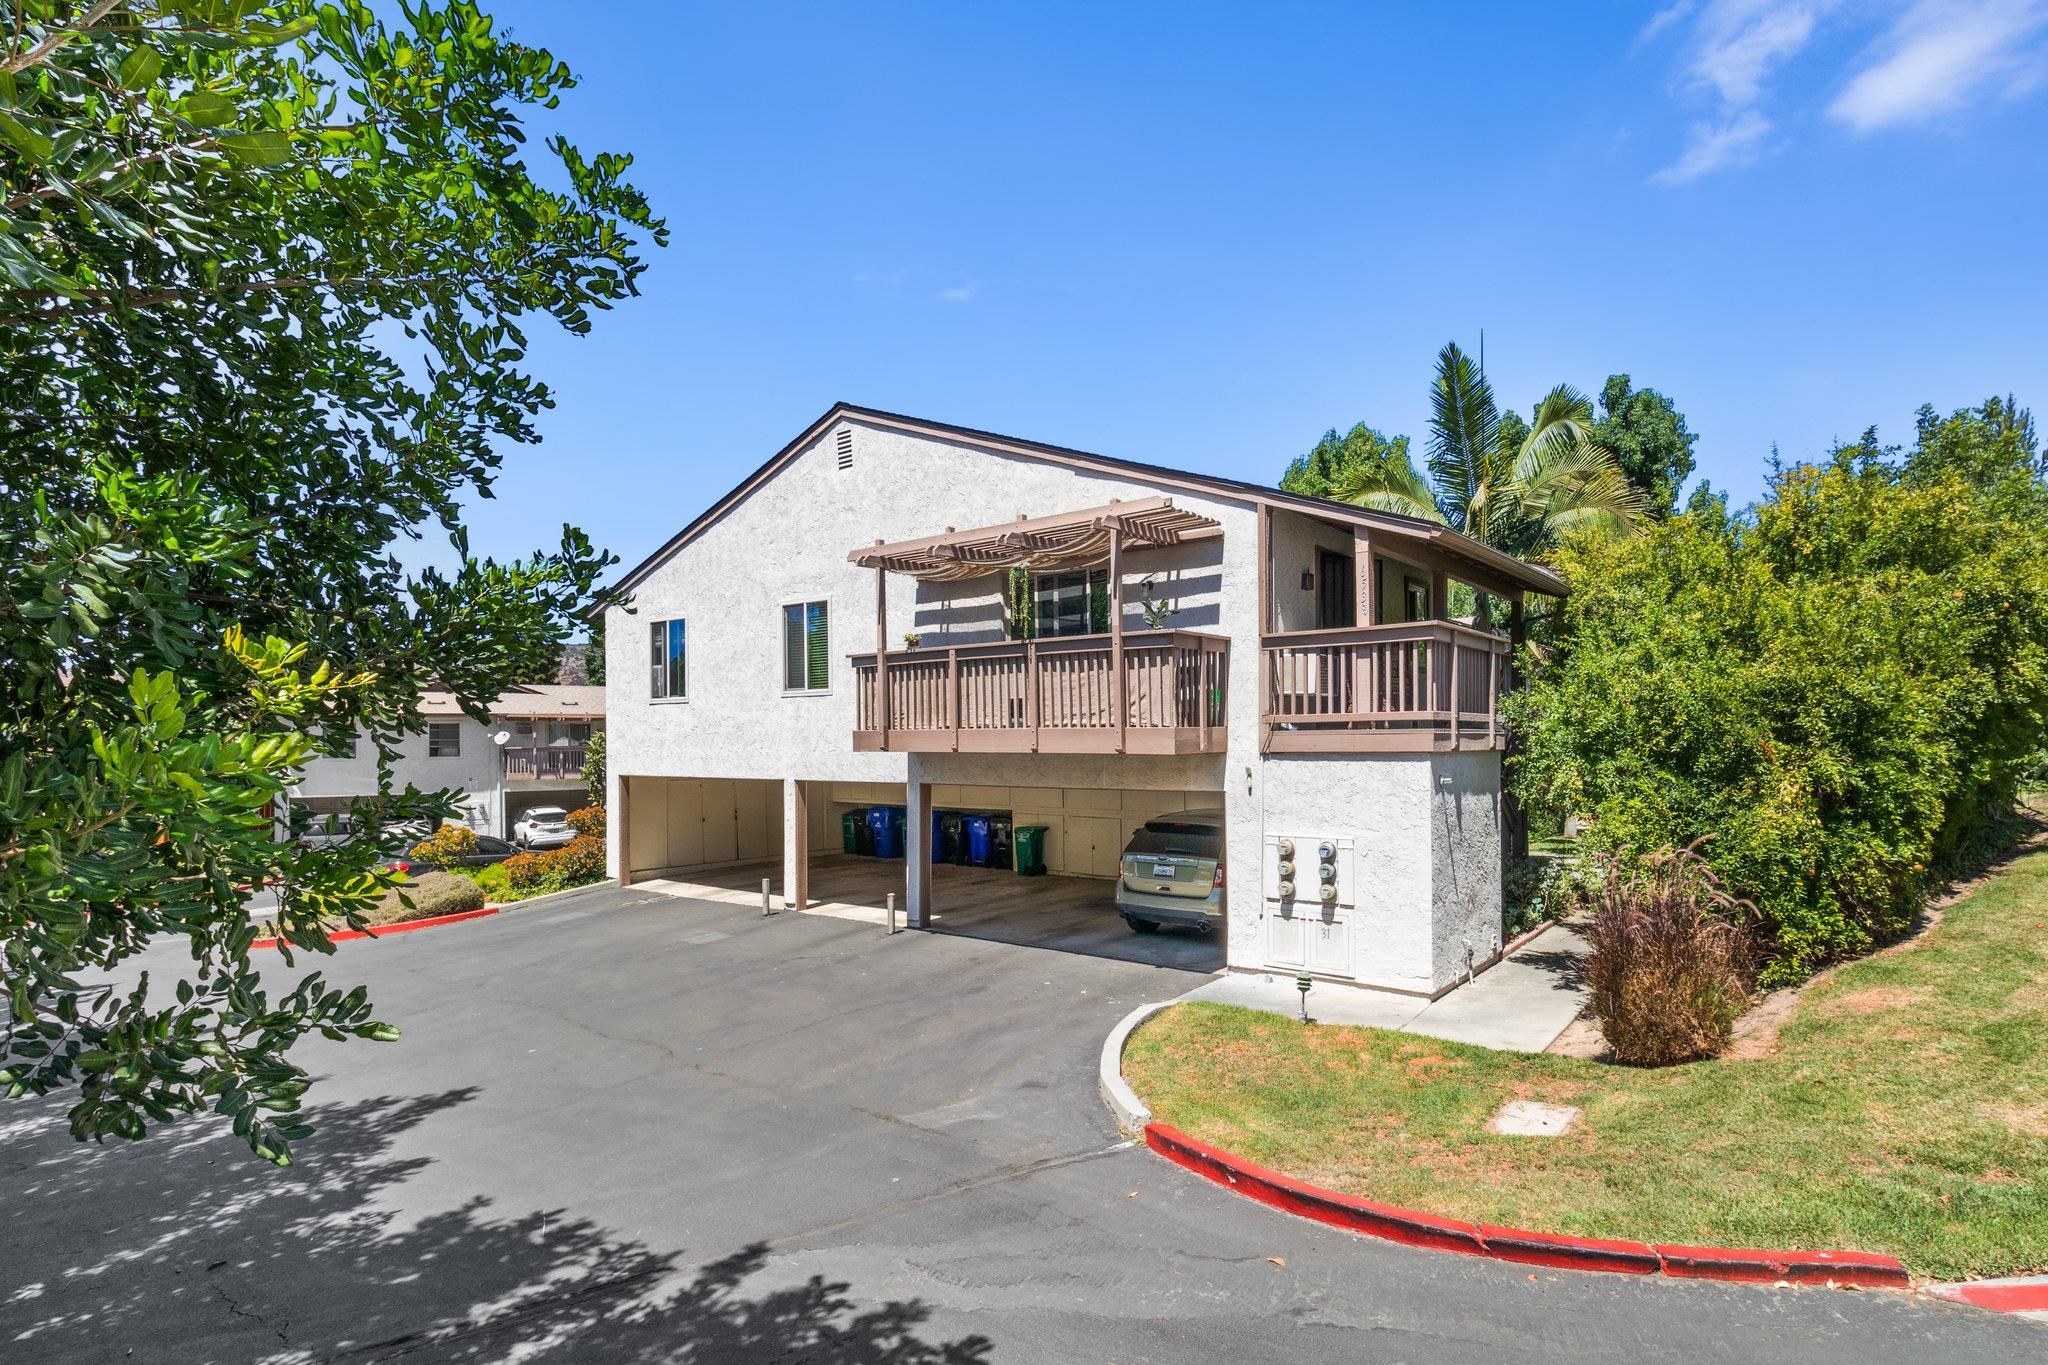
x=1155, y=612
x=910, y=639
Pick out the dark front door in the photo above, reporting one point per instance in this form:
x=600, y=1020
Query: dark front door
x=1336, y=593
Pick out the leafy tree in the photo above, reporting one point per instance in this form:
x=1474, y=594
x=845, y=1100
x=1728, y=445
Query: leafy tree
x=1841, y=691
x=1649, y=439
x=593, y=652
x=265, y=272
x=1338, y=458
x=1519, y=487
x=593, y=769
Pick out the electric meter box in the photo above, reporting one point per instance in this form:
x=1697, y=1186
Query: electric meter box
x=1297, y=870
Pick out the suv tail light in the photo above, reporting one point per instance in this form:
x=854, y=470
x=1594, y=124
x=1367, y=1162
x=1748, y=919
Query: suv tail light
x=1219, y=872
x=401, y=867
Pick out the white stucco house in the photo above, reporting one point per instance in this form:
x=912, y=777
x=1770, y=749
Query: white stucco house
x=1297, y=671
x=531, y=754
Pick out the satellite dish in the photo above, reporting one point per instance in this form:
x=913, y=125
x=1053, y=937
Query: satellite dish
x=501, y=737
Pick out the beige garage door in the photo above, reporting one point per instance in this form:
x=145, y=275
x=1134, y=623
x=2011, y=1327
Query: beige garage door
x=679, y=823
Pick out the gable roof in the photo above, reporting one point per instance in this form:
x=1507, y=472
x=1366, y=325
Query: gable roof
x=1444, y=540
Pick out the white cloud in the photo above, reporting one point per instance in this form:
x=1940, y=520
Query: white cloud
x=1731, y=49
x=960, y=293
x=1717, y=146
x=1737, y=43
x=1938, y=56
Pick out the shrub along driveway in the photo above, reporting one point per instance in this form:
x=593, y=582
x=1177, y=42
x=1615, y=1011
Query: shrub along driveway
x=1904, y=1110
x=625, y=1126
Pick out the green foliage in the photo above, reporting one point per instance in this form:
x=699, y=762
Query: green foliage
x=1520, y=487
x=588, y=820
x=593, y=653
x=576, y=863
x=1020, y=608
x=593, y=768
x=1339, y=459
x=1843, y=692
x=265, y=279
x=1649, y=439
x=448, y=844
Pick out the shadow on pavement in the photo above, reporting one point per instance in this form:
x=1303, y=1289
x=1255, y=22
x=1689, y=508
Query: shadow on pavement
x=186, y=1247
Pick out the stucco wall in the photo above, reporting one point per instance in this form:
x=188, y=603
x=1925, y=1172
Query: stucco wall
x=1383, y=803
x=476, y=771
x=1465, y=854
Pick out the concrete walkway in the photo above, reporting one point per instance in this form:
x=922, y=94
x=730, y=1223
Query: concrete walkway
x=1520, y=1004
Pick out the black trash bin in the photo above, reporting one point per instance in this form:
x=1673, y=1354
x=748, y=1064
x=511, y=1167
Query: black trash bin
x=951, y=845
x=863, y=832
x=1001, y=853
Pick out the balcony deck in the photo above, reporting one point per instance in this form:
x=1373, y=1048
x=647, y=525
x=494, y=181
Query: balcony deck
x=1415, y=687
x=544, y=763
x=1047, y=696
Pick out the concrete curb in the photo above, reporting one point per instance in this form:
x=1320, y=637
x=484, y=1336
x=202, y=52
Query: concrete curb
x=556, y=895
x=385, y=931
x=1131, y=1114
x=1410, y=1227
x=2023, y=1295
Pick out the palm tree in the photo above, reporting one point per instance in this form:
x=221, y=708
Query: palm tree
x=1516, y=489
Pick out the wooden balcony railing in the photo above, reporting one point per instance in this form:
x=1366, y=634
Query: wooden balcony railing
x=546, y=763
x=1413, y=687
x=1047, y=696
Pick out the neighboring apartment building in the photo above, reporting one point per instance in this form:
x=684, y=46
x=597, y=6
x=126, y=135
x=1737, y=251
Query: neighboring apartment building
x=1303, y=678
x=531, y=754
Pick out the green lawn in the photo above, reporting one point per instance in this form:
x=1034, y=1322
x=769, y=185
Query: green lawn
x=1905, y=1110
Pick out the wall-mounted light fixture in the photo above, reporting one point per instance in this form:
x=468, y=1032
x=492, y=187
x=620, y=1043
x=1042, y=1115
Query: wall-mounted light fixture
x=1308, y=580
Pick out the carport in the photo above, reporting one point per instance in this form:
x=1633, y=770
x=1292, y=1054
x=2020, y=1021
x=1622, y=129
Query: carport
x=721, y=838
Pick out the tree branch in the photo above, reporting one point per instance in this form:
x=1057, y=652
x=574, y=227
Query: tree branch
x=56, y=38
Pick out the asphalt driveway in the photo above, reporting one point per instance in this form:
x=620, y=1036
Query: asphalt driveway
x=624, y=1126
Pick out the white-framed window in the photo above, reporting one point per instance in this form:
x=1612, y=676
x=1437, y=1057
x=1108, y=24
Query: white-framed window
x=444, y=739
x=667, y=660
x=806, y=647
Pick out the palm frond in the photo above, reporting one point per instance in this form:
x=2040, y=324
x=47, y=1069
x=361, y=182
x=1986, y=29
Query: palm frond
x=1577, y=485
x=1464, y=427
x=1563, y=419
x=1392, y=486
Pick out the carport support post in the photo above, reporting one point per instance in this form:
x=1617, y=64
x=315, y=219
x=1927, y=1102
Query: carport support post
x=796, y=845
x=917, y=854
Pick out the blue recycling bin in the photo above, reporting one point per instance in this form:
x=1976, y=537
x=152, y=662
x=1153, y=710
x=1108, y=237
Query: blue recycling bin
x=980, y=840
x=887, y=824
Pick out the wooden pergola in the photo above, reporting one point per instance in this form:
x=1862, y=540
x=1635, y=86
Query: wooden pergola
x=1058, y=543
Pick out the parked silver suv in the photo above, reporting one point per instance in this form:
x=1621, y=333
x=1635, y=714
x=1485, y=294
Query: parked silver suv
x=1172, y=873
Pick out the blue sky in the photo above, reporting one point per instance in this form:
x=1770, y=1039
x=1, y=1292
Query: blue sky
x=1201, y=235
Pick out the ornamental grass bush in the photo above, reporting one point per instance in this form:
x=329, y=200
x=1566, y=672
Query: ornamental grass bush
x=1673, y=958
x=436, y=893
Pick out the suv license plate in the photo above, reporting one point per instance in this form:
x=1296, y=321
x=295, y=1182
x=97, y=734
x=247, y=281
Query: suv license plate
x=1163, y=870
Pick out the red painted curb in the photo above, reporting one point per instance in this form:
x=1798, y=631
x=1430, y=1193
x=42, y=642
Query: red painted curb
x=2028, y=1295
x=1865, y=1270
x=1558, y=1251
x=344, y=935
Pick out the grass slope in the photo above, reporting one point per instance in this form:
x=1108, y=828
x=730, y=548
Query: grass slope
x=1905, y=1110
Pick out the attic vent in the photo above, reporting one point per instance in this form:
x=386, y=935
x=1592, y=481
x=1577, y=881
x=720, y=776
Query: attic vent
x=846, y=447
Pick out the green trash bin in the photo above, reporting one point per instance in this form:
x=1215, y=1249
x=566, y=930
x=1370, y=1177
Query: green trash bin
x=1030, y=850
x=850, y=825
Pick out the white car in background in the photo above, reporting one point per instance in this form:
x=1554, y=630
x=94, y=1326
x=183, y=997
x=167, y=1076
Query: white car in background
x=543, y=827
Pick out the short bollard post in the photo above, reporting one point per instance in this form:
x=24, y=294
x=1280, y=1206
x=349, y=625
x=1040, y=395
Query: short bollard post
x=892, y=912
x=767, y=909
x=1302, y=983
